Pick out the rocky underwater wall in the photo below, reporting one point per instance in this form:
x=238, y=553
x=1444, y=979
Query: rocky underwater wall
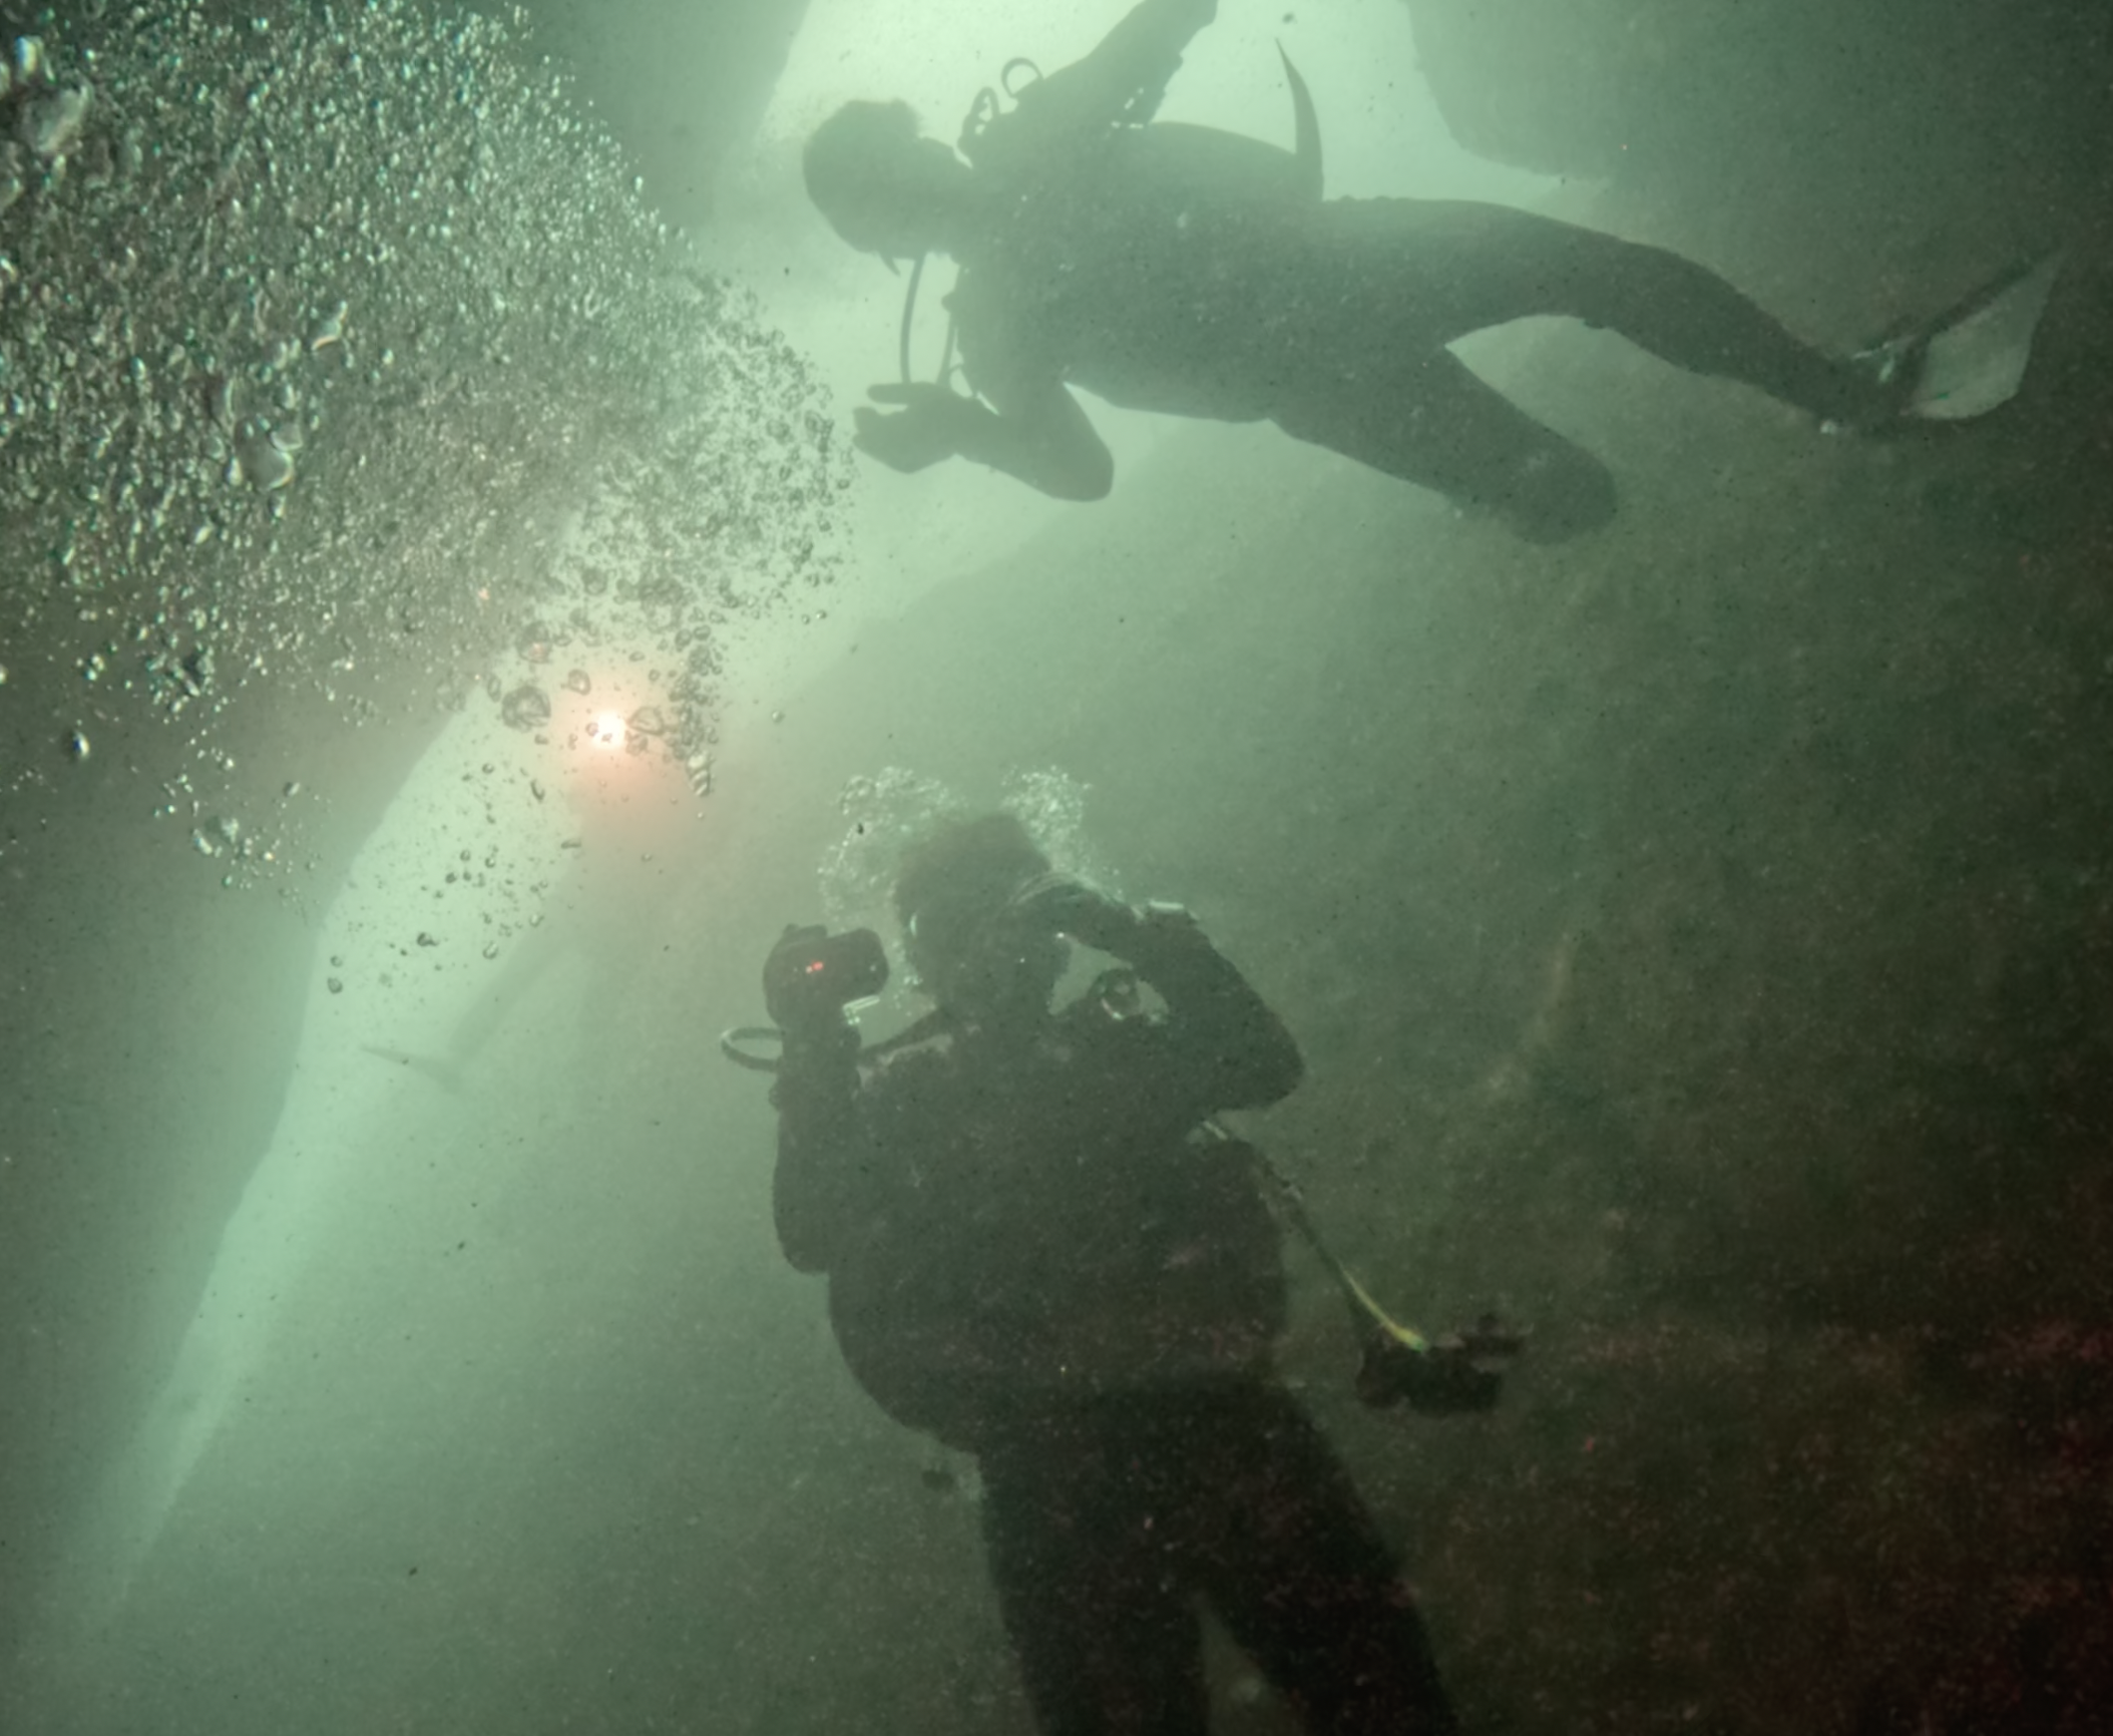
x=1700, y=935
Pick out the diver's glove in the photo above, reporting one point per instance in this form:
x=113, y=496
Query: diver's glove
x=1440, y=1377
x=1057, y=904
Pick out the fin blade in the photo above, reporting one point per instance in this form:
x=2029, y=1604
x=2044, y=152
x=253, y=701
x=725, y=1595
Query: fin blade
x=1307, y=129
x=1976, y=359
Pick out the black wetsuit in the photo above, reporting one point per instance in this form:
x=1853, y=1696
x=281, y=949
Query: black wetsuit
x=1036, y=1253
x=1162, y=276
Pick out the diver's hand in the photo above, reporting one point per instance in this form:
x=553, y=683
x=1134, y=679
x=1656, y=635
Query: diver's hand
x=932, y=424
x=1441, y=1380
x=1441, y=1377
x=1065, y=905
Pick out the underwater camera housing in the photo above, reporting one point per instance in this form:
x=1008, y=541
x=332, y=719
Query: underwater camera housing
x=812, y=975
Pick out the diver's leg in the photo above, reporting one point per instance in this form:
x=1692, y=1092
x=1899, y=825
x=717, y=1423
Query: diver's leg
x=1107, y=1644
x=1301, y=1576
x=1435, y=422
x=1477, y=265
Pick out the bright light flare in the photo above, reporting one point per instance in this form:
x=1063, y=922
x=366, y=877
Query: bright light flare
x=609, y=732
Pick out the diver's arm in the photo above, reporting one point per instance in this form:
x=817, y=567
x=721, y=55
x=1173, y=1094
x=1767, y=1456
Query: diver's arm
x=1046, y=441
x=1224, y=1046
x=1042, y=438
x=814, y=1189
x=1237, y=1048
x=1125, y=76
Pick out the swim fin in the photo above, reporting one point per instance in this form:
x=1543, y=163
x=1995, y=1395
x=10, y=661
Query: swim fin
x=1972, y=358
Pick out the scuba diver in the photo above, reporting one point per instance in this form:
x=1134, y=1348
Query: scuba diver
x=1196, y=272
x=1042, y=1250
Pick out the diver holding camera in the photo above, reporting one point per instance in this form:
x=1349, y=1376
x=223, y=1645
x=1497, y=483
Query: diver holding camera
x=1043, y=1250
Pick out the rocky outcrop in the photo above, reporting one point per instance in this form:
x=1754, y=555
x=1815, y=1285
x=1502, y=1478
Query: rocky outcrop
x=1693, y=94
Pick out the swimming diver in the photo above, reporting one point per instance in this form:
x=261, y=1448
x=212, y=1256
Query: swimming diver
x=1195, y=272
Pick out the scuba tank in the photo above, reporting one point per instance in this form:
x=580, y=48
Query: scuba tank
x=1207, y=159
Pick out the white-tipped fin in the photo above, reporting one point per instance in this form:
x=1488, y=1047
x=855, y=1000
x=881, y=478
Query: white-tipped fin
x=1974, y=360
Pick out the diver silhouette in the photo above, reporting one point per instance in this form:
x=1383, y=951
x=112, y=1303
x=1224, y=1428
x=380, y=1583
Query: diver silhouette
x=1042, y=1250
x=1196, y=272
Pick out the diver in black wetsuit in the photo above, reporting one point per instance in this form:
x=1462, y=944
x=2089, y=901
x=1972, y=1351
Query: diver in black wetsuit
x=1040, y=1251
x=1195, y=272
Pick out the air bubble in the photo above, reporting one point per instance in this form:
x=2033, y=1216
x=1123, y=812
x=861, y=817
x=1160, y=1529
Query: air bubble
x=129, y=393
x=526, y=707
x=51, y=123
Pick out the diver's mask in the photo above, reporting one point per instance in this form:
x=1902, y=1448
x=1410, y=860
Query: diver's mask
x=986, y=959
